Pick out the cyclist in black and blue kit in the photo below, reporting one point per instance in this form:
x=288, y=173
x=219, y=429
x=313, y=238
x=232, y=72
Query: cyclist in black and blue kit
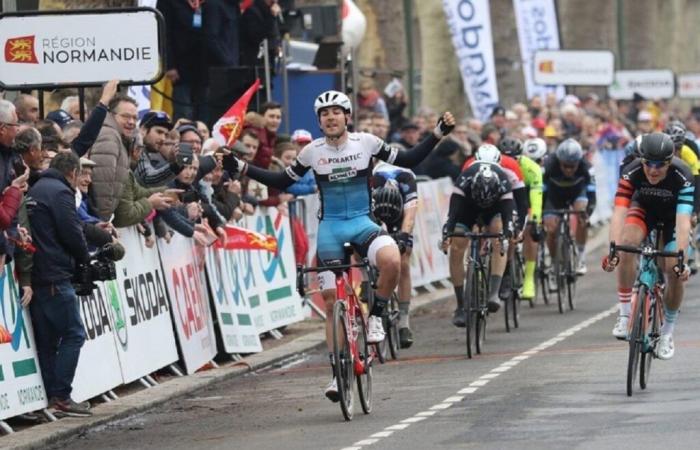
x=395, y=202
x=342, y=164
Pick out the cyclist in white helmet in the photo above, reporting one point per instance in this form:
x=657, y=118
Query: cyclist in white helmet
x=342, y=164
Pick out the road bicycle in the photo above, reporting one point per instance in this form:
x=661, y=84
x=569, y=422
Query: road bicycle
x=390, y=320
x=543, y=272
x=476, y=286
x=353, y=355
x=647, y=313
x=566, y=258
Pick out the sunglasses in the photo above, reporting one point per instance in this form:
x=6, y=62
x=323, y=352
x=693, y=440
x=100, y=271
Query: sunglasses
x=655, y=164
x=569, y=166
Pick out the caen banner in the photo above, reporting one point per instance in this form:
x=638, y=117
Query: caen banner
x=470, y=27
x=21, y=387
x=538, y=29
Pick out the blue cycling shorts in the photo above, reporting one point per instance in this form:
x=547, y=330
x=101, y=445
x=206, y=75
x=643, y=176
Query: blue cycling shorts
x=332, y=234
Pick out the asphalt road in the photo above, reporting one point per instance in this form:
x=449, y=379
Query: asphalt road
x=557, y=382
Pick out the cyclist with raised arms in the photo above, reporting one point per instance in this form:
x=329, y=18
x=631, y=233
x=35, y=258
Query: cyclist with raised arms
x=568, y=182
x=532, y=175
x=395, y=202
x=655, y=190
x=342, y=165
x=481, y=195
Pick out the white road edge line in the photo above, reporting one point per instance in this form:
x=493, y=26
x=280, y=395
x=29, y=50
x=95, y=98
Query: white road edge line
x=481, y=381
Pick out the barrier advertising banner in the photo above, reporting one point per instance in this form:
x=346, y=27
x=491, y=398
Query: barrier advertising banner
x=574, y=67
x=143, y=329
x=428, y=263
x=238, y=332
x=470, y=27
x=274, y=273
x=189, y=301
x=21, y=387
x=652, y=84
x=98, y=368
x=538, y=29
x=80, y=47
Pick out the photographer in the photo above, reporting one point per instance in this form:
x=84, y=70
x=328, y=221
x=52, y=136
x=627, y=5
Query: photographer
x=60, y=244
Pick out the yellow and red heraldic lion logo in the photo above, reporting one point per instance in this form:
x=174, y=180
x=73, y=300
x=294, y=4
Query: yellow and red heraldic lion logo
x=20, y=50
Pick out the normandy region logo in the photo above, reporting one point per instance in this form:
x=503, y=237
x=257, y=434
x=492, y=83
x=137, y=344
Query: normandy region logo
x=20, y=50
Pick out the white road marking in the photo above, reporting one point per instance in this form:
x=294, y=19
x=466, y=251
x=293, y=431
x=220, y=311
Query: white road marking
x=482, y=381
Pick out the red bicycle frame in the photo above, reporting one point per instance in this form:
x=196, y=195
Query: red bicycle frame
x=354, y=312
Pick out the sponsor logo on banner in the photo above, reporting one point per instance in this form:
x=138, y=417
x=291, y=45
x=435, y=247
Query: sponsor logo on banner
x=538, y=29
x=20, y=50
x=79, y=48
x=189, y=302
x=21, y=387
x=689, y=85
x=470, y=27
x=574, y=67
x=652, y=84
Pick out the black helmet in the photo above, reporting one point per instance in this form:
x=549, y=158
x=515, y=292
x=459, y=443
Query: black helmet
x=511, y=146
x=676, y=130
x=486, y=187
x=656, y=147
x=569, y=151
x=387, y=203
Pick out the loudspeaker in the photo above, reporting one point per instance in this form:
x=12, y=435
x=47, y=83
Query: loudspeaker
x=313, y=23
x=227, y=84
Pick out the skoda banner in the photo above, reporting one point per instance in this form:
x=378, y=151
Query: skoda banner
x=21, y=388
x=574, y=67
x=87, y=47
x=538, y=29
x=651, y=84
x=470, y=27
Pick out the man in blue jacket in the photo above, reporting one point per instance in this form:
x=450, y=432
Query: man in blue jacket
x=60, y=244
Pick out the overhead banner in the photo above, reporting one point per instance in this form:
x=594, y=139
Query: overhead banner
x=470, y=27
x=235, y=320
x=21, y=387
x=43, y=49
x=651, y=84
x=189, y=301
x=98, y=368
x=538, y=29
x=574, y=67
x=142, y=325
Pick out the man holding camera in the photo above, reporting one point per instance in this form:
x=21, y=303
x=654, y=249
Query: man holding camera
x=60, y=244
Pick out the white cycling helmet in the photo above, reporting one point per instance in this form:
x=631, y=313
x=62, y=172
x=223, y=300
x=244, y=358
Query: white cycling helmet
x=332, y=98
x=535, y=149
x=488, y=153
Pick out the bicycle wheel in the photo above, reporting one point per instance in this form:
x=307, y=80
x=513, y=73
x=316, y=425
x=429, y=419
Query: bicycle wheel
x=471, y=289
x=518, y=276
x=342, y=355
x=542, y=275
x=653, y=324
x=571, y=273
x=480, y=310
x=508, y=303
x=393, y=320
x=635, y=341
x=559, y=268
x=364, y=379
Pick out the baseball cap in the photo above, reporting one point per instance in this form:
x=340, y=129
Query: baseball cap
x=301, y=136
x=550, y=132
x=85, y=162
x=644, y=116
x=539, y=123
x=409, y=126
x=60, y=117
x=498, y=110
x=156, y=119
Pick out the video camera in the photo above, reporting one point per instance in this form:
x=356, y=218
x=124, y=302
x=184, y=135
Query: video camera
x=100, y=267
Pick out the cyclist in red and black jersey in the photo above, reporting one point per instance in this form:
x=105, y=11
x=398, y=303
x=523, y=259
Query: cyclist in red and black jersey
x=655, y=190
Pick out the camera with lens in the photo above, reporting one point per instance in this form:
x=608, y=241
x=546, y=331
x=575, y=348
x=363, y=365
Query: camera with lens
x=100, y=267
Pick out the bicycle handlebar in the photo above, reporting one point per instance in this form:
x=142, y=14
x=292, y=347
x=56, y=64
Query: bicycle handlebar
x=475, y=235
x=563, y=212
x=301, y=270
x=649, y=252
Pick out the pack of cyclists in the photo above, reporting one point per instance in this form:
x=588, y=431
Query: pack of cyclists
x=369, y=198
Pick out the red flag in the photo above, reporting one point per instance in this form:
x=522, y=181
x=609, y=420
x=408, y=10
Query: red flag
x=229, y=126
x=238, y=238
